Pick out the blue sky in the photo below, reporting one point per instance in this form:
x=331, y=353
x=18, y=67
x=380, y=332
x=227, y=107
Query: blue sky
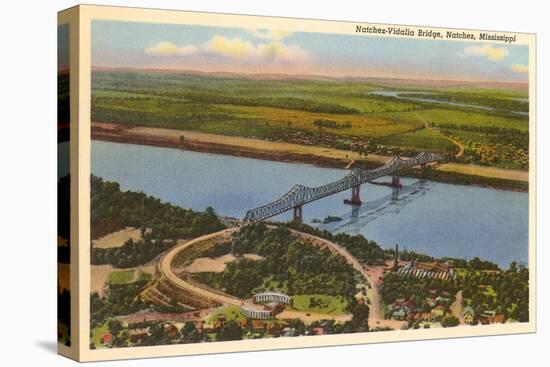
x=206, y=48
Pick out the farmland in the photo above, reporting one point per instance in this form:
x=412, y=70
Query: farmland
x=349, y=115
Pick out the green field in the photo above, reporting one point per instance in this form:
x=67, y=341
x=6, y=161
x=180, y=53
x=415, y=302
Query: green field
x=331, y=113
x=333, y=305
x=438, y=116
x=126, y=277
x=121, y=277
x=230, y=312
x=422, y=139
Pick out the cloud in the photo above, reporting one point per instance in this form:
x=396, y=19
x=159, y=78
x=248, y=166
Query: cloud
x=166, y=48
x=488, y=51
x=229, y=47
x=519, y=68
x=275, y=51
x=272, y=35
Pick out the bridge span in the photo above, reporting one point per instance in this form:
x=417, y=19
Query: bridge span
x=300, y=195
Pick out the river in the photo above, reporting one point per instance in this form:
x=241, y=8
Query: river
x=424, y=216
x=399, y=95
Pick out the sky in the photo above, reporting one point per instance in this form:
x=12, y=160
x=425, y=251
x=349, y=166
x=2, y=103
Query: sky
x=240, y=50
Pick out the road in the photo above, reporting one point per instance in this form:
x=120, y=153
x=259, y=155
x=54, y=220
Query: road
x=375, y=317
x=460, y=146
x=456, y=307
x=166, y=269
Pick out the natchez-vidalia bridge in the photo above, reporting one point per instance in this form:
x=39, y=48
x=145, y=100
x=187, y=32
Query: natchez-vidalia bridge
x=300, y=195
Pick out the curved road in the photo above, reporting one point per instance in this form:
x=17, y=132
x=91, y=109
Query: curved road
x=460, y=146
x=374, y=311
x=165, y=267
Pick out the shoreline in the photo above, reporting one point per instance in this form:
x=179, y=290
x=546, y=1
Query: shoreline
x=453, y=173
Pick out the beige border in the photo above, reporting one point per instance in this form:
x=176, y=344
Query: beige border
x=87, y=13
x=70, y=17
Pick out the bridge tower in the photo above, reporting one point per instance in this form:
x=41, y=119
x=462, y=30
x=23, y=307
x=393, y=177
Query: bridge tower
x=355, y=197
x=395, y=180
x=298, y=218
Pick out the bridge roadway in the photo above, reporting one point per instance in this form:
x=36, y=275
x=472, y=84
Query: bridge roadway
x=300, y=194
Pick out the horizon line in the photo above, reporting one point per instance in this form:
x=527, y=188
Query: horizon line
x=306, y=76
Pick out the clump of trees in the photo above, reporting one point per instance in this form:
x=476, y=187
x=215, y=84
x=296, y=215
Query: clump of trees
x=290, y=103
x=298, y=268
x=120, y=299
x=506, y=292
x=132, y=253
x=474, y=264
x=113, y=209
x=396, y=286
x=361, y=248
x=332, y=124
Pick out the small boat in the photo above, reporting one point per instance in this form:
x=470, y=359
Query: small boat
x=330, y=219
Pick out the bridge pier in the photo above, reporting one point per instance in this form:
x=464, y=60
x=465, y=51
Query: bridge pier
x=298, y=218
x=355, y=197
x=395, y=180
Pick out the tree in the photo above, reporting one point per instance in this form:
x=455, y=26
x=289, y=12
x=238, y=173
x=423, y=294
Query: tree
x=114, y=327
x=449, y=321
x=230, y=331
x=298, y=326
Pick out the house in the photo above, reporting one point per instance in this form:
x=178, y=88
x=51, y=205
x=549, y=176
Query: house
x=222, y=318
x=289, y=332
x=487, y=316
x=106, y=339
x=243, y=323
x=409, y=305
x=199, y=324
x=468, y=315
x=424, y=316
x=438, y=312
x=274, y=329
x=138, y=335
x=318, y=330
x=258, y=326
x=399, y=313
x=171, y=331
x=498, y=319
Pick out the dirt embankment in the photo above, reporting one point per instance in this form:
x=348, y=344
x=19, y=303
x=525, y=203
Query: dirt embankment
x=296, y=153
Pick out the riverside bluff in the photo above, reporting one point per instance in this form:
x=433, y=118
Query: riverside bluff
x=455, y=173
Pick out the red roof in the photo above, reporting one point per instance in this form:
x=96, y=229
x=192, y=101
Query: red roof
x=318, y=331
x=106, y=338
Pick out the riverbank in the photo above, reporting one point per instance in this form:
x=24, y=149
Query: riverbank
x=295, y=153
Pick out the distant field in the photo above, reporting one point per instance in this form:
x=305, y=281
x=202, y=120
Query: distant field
x=371, y=126
x=438, y=116
x=327, y=113
x=423, y=139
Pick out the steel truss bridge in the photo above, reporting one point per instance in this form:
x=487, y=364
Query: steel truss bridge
x=300, y=195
